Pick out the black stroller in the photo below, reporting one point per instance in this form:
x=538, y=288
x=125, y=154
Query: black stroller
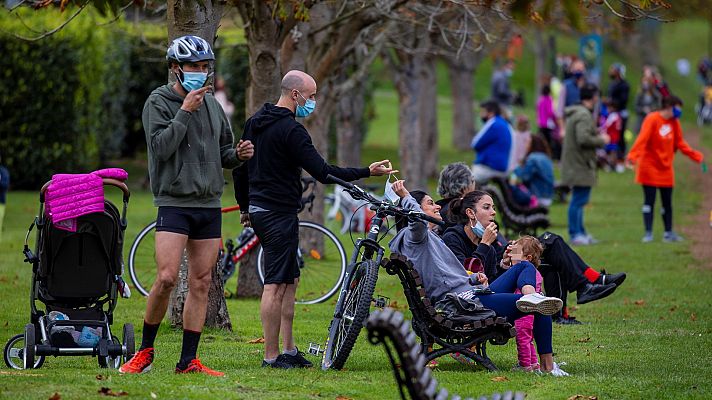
x=77, y=276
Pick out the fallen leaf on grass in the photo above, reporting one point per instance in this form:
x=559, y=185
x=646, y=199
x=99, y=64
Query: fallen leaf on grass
x=153, y=395
x=343, y=398
x=582, y=397
x=640, y=302
x=256, y=341
x=584, y=340
x=108, y=392
x=101, y=377
x=693, y=317
x=500, y=379
x=673, y=308
x=55, y=396
x=7, y=323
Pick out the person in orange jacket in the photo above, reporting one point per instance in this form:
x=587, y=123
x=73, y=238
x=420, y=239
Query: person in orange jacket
x=653, y=153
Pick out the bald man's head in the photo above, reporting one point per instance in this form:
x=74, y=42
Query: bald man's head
x=297, y=80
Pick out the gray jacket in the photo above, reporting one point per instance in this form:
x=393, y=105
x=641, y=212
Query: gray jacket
x=186, y=151
x=437, y=265
x=578, y=157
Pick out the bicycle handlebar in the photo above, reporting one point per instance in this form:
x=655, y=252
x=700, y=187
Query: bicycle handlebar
x=383, y=205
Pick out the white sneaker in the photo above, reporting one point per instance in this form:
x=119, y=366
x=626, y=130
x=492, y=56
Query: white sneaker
x=558, y=372
x=620, y=168
x=648, y=237
x=539, y=303
x=580, y=240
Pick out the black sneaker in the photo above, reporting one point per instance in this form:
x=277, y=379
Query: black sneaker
x=592, y=291
x=567, y=321
x=605, y=278
x=297, y=361
x=281, y=362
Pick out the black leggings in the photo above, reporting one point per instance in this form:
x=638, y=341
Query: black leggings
x=649, y=206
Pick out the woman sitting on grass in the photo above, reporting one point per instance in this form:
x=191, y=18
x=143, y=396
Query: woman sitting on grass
x=442, y=273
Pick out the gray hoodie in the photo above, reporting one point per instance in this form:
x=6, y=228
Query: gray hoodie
x=441, y=271
x=187, y=151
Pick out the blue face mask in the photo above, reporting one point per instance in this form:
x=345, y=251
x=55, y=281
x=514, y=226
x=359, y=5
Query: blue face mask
x=676, y=112
x=306, y=109
x=478, y=229
x=193, y=80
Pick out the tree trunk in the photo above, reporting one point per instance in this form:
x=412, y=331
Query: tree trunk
x=541, y=59
x=187, y=17
x=216, y=316
x=264, y=35
x=427, y=115
x=411, y=143
x=463, y=107
x=350, y=121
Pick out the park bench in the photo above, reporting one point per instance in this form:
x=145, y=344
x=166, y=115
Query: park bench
x=439, y=335
x=408, y=362
x=515, y=222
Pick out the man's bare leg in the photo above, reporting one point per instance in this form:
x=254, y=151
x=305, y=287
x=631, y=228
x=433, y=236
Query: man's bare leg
x=169, y=252
x=271, y=314
x=287, y=317
x=202, y=256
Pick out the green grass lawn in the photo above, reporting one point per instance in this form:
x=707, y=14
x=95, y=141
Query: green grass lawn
x=650, y=339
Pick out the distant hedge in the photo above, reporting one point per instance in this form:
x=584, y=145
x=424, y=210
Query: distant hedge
x=72, y=101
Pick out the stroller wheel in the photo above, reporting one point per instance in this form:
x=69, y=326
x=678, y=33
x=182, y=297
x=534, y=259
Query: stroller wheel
x=129, y=342
x=14, y=353
x=113, y=362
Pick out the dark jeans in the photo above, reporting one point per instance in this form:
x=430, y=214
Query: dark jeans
x=579, y=198
x=561, y=268
x=649, y=205
x=504, y=302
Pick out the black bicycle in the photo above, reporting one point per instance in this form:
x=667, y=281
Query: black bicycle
x=356, y=296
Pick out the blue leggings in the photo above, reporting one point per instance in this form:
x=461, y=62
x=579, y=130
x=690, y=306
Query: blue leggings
x=503, y=302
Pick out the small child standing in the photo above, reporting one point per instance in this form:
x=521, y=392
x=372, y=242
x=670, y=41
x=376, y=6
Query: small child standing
x=613, y=126
x=527, y=248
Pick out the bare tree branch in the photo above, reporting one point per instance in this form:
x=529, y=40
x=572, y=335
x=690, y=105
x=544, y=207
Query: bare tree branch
x=53, y=31
x=118, y=14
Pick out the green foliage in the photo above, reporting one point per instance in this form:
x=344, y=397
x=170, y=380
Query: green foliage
x=72, y=100
x=234, y=67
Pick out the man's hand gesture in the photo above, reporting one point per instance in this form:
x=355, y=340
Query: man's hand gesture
x=194, y=99
x=245, y=150
x=380, y=168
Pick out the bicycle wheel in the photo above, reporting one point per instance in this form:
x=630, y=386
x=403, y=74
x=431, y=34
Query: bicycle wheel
x=142, y=259
x=357, y=293
x=322, y=263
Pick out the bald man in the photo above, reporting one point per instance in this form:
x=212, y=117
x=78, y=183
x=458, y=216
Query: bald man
x=268, y=189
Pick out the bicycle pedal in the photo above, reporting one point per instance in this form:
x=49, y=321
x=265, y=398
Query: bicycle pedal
x=381, y=301
x=315, y=349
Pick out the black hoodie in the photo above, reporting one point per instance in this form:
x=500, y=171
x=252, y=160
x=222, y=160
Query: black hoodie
x=460, y=244
x=271, y=179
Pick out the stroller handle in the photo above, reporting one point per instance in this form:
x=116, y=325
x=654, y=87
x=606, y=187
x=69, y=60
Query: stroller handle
x=105, y=181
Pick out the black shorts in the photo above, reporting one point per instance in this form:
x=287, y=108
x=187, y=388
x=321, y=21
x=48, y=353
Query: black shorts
x=279, y=236
x=195, y=222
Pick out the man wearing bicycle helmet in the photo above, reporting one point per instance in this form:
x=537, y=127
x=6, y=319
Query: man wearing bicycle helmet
x=189, y=143
x=283, y=148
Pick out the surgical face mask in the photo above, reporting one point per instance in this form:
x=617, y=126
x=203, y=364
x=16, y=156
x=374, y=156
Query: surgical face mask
x=676, y=112
x=389, y=194
x=578, y=74
x=478, y=229
x=306, y=109
x=193, y=80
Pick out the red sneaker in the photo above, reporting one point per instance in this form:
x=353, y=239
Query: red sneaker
x=140, y=363
x=198, y=367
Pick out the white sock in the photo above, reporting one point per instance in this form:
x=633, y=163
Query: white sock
x=271, y=360
x=292, y=352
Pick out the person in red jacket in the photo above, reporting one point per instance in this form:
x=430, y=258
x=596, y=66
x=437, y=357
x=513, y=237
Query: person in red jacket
x=653, y=154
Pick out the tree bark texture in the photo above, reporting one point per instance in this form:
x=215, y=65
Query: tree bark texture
x=216, y=316
x=463, y=104
x=188, y=17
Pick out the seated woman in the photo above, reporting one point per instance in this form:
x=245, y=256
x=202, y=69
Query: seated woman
x=442, y=273
x=537, y=171
x=565, y=271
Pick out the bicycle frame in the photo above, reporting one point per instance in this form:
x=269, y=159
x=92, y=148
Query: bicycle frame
x=370, y=245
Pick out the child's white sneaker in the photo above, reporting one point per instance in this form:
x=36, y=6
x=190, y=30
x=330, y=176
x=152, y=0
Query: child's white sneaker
x=539, y=303
x=558, y=372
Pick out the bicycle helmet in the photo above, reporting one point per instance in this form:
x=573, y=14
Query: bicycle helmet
x=189, y=49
